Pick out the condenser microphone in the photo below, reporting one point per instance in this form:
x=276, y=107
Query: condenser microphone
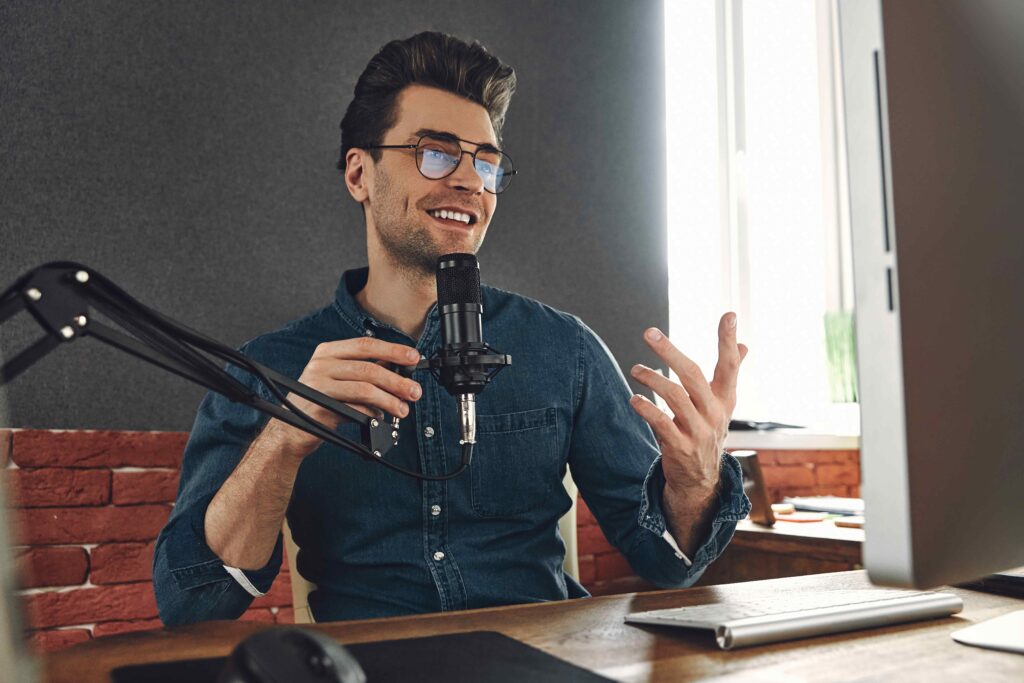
x=465, y=363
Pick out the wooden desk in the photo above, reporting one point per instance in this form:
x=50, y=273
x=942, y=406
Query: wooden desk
x=787, y=549
x=591, y=633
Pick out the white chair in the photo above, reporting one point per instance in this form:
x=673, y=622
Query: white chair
x=301, y=588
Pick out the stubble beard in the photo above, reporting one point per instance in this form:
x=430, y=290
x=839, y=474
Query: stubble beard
x=408, y=244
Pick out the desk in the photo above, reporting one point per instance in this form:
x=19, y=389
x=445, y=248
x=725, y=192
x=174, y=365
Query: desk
x=590, y=632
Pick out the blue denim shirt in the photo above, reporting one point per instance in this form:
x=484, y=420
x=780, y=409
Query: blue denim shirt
x=377, y=543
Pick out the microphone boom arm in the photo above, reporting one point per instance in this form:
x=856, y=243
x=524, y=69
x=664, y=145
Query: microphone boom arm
x=62, y=295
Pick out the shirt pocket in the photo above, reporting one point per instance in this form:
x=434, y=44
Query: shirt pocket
x=515, y=462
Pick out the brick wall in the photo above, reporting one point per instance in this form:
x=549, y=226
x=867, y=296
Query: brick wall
x=88, y=506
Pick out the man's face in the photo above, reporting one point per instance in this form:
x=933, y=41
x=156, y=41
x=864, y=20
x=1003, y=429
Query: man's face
x=403, y=203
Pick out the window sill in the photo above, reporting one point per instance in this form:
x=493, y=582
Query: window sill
x=791, y=440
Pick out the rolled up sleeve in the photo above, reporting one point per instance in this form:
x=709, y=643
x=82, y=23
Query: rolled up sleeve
x=189, y=579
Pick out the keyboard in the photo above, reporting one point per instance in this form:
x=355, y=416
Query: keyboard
x=804, y=614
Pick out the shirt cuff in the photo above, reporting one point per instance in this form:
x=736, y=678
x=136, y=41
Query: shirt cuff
x=732, y=503
x=243, y=580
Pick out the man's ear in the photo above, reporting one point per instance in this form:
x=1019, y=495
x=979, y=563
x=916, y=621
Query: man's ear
x=357, y=174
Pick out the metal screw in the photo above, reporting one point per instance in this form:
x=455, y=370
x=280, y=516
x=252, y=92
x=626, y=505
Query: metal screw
x=374, y=424
x=82, y=276
x=34, y=294
x=81, y=320
x=394, y=435
x=394, y=422
x=67, y=332
x=377, y=454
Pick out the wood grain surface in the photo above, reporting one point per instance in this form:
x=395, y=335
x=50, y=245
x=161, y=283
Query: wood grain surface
x=590, y=632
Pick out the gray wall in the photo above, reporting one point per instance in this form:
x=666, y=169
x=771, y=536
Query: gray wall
x=186, y=150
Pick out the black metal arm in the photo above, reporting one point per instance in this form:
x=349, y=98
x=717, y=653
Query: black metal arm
x=62, y=296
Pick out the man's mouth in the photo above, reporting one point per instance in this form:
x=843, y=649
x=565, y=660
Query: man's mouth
x=452, y=217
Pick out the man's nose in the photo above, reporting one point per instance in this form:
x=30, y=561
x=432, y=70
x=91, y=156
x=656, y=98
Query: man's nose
x=465, y=177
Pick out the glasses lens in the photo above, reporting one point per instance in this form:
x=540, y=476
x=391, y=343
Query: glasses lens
x=438, y=157
x=495, y=168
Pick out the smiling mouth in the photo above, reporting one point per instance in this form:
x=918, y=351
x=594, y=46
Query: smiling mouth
x=450, y=218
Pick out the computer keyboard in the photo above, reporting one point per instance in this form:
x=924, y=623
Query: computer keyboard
x=803, y=614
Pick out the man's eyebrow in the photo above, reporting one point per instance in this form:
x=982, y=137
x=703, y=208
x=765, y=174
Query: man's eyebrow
x=448, y=134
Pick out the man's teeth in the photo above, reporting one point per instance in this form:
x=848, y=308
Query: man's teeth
x=451, y=215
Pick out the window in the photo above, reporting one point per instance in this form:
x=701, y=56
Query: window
x=758, y=218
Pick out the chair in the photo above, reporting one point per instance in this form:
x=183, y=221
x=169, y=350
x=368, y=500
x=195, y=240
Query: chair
x=301, y=588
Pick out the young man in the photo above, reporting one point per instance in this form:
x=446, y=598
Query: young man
x=421, y=154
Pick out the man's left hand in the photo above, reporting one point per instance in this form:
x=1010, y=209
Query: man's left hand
x=692, y=437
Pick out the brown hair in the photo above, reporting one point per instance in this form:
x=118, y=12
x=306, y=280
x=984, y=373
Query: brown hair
x=428, y=58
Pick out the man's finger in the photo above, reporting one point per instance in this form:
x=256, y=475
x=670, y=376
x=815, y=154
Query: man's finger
x=689, y=373
x=675, y=396
x=369, y=348
x=729, y=359
x=662, y=424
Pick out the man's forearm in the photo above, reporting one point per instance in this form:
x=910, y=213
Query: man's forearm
x=689, y=514
x=244, y=518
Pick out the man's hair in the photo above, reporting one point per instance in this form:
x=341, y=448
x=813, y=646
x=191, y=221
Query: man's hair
x=432, y=59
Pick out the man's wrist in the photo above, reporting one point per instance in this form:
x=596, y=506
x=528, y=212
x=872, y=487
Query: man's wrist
x=288, y=441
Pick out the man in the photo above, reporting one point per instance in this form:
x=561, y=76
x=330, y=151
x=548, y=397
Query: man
x=421, y=154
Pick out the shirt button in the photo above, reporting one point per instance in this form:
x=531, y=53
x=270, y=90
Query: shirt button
x=435, y=510
x=428, y=432
x=438, y=556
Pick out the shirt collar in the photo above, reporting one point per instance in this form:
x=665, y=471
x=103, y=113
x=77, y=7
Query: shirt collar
x=352, y=282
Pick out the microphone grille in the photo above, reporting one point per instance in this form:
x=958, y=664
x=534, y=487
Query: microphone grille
x=458, y=280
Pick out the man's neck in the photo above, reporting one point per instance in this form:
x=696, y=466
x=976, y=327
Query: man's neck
x=397, y=297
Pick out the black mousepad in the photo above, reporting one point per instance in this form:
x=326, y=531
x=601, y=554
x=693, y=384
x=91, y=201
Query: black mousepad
x=474, y=656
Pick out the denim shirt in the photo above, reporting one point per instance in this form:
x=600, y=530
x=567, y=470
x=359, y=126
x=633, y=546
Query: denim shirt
x=377, y=543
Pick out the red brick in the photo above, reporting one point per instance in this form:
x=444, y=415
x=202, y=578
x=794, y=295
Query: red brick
x=787, y=476
x=588, y=569
x=590, y=540
x=612, y=566
x=59, y=487
x=48, y=641
x=145, y=487
x=767, y=458
x=48, y=526
x=38, y=567
x=262, y=615
x=5, y=447
x=122, y=563
x=91, y=605
x=110, y=628
x=845, y=474
x=584, y=516
x=285, y=615
x=279, y=595
x=44, y=448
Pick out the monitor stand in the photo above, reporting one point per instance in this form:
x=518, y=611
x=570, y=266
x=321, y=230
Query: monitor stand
x=1009, y=583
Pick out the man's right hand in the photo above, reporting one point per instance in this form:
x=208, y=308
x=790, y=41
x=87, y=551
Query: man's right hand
x=351, y=371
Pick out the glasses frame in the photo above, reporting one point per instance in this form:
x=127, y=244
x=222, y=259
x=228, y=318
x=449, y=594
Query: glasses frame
x=441, y=136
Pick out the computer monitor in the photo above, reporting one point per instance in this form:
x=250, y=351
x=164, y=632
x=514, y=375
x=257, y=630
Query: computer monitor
x=934, y=114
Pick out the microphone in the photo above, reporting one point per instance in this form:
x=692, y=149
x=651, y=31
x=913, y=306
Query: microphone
x=464, y=363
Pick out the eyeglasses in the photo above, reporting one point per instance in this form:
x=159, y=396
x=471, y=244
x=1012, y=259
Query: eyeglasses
x=437, y=156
